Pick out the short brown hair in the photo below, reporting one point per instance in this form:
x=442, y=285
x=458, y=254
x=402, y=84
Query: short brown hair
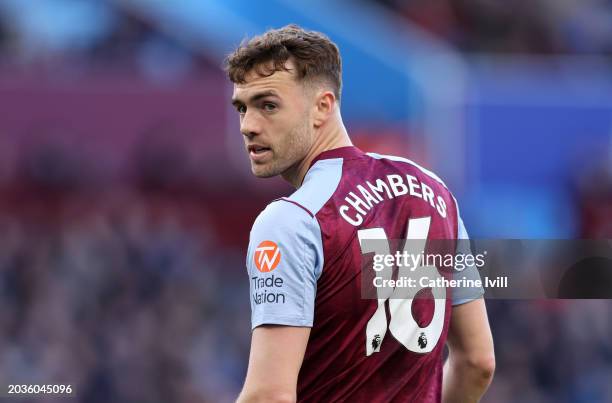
x=315, y=56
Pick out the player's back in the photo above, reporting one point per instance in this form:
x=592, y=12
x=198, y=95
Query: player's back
x=363, y=349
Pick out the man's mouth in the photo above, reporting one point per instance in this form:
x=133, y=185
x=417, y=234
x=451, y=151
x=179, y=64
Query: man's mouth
x=256, y=152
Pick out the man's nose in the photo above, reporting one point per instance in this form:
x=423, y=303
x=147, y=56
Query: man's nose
x=249, y=125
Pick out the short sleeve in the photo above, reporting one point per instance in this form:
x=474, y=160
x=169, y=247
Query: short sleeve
x=462, y=295
x=284, y=262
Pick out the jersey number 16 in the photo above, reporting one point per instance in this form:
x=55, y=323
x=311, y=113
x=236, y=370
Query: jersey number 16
x=403, y=326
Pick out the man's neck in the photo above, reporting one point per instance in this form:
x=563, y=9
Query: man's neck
x=334, y=137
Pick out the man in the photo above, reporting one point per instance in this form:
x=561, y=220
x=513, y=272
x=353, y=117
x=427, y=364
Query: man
x=314, y=337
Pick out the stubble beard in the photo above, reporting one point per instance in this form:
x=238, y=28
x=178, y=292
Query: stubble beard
x=287, y=156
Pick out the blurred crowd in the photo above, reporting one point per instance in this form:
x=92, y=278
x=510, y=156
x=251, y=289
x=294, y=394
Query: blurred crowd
x=120, y=299
x=48, y=31
x=551, y=351
x=517, y=26
x=52, y=35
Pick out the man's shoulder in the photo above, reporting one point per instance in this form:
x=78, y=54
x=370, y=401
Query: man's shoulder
x=291, y=229
x=288, y=216
x=282, y=214
x=319, y=185
x=407, y=164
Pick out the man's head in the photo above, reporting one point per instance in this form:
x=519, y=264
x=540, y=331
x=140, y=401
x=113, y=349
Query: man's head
x=287, y=83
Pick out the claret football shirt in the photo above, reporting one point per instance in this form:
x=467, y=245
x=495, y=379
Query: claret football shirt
x=305, y=269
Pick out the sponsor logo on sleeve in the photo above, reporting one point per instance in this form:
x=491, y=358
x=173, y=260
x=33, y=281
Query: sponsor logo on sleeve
x=266, y=288
x=267, y=256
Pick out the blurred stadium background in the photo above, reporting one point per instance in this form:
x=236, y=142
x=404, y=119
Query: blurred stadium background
x=126, y=197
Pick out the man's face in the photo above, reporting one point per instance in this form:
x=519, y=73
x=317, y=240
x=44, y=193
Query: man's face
x=275, y=120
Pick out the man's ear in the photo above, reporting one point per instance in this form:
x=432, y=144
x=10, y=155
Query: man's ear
x=324, y=107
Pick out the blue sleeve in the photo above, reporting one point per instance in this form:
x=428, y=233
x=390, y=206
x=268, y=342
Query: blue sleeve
x=465, y=294
x=284, y=262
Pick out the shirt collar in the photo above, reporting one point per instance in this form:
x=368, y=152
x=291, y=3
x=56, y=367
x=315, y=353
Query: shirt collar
x=347, y=152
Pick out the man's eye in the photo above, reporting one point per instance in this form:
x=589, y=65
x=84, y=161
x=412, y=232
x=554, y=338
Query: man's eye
x=269, y=107
x=241, y=109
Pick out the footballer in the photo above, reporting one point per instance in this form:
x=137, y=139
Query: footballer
x=314, y=337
